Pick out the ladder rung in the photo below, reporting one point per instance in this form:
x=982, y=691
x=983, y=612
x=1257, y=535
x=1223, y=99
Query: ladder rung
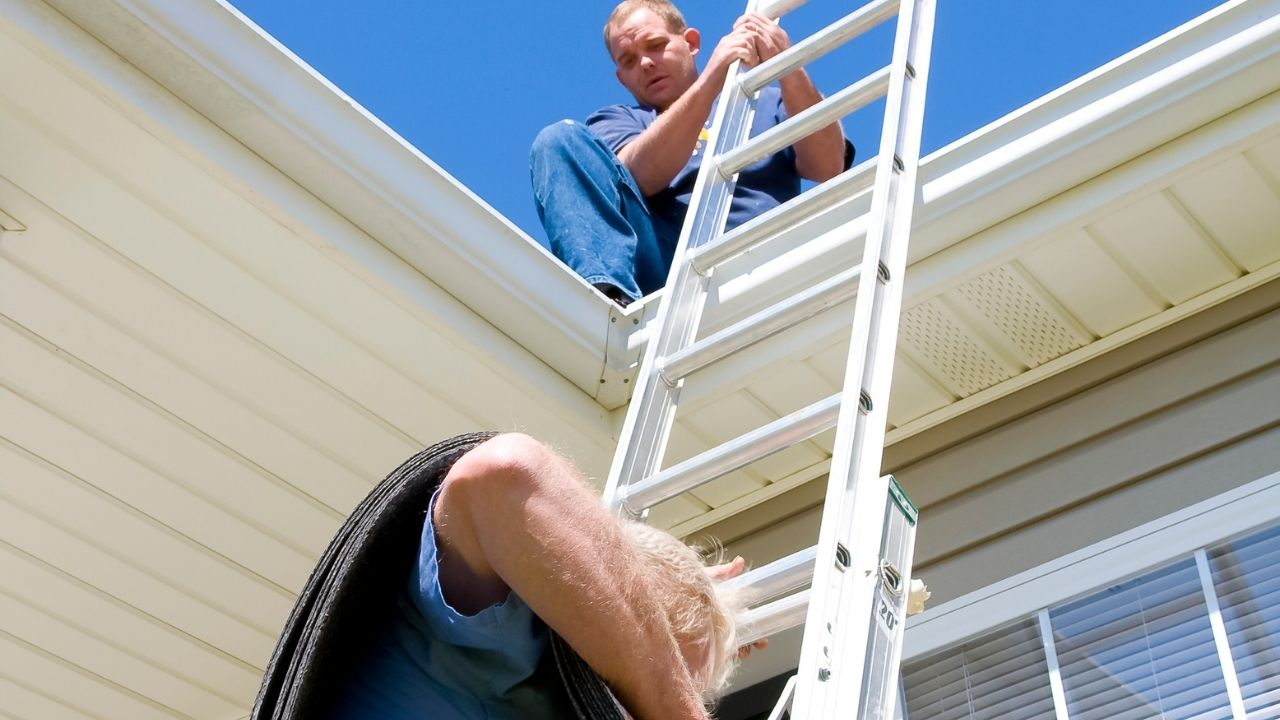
x=820, y=43
x=777, y=8
x=764, y=324
x=737, y=453
x=772, y=618
x=843, y=186
x=863, y=92
x=778, y=578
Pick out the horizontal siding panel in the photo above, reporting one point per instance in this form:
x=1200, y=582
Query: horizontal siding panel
x=1093, y=413
x=1116, y=456
x=219, y=329
x=172, y=452
x=120, y=530
x=112, y=621
x=23, y=703
x=150, y=373
x=50, y=677
x=108, y=661
x=60, y=548
x=105, y=471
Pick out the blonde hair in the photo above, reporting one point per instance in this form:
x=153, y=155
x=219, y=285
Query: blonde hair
x=662, y=8
x=698, y=608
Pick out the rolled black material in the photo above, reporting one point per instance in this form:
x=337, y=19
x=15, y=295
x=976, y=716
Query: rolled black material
x=354, y=587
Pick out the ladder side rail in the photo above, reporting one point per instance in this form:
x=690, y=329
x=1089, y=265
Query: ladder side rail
x=820, y=43
x=772, y=320
x=737, y=453
x=650, y=415
x=879, y=375
x=805, y=123
x=852, y=520
x=761, y=228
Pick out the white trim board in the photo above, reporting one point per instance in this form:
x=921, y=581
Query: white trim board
x=1129, y=553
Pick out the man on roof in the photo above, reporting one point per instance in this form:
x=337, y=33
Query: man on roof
x=612, y=194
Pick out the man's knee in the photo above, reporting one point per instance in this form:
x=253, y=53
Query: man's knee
x=565, y=139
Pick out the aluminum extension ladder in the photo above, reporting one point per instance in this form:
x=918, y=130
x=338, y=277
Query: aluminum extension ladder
x=860, y=568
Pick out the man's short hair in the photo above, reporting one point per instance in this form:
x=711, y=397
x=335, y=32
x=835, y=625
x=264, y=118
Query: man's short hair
x=662, y=8
x=698, y=608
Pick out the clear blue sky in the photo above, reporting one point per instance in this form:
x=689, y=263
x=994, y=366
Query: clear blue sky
x=470, y=82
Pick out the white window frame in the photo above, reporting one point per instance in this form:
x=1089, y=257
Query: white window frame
x=1174, y=536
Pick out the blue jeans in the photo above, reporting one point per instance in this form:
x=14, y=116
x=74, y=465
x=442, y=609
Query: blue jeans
x=594, y=213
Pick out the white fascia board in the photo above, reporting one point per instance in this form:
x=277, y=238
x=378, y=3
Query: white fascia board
x=217, y=61
x=1192, y=75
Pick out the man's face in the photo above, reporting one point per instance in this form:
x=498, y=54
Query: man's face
x=653, y=63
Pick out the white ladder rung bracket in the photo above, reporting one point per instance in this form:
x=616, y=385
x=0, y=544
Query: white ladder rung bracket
x=737, y=453
x=862, y=93
x=772, y=618
x=759, y=229
x=780, y=577
x=760, y=326
x=820, y=43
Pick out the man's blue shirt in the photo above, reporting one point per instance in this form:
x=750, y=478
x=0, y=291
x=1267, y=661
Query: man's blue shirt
x=761, y=185
x=434, y=662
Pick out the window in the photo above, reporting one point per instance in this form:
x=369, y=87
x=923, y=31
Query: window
x=1000, y=675
x=1246, y=578
x=1142, y=648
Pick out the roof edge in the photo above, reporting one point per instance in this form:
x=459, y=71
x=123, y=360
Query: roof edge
x=216, y=60
x=1192, y=75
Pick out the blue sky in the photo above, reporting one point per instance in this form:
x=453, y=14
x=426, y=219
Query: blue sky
x=470, y=83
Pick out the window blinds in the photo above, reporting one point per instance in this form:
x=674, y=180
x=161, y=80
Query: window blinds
x=1246, y=578
x=1140, y=649
x=1000, y=675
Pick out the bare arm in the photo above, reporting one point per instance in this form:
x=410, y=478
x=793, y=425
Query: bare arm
x=657, y=154
x=512, y=515
x=819, y=156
